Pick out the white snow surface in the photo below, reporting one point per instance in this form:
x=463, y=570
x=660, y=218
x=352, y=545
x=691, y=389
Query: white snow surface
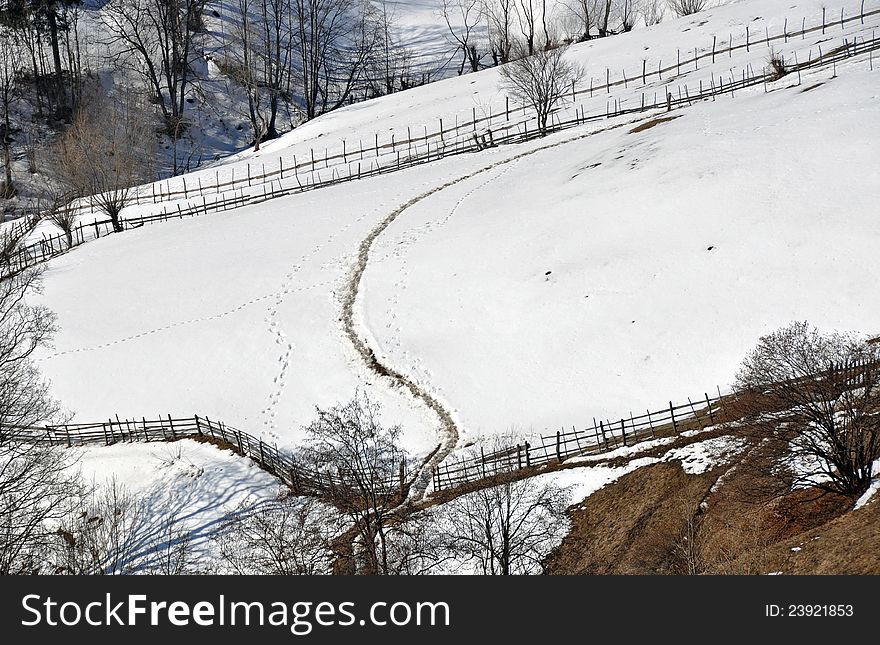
x=197, y=482
x=868, y=495
x=573, y=283
x=701, y=456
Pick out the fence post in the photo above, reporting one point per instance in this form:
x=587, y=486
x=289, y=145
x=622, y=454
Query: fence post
x=402, y=476
x=713, y=49
x=672, y=414
x=238, y=436
x=709, y=407
x=518, y=457
x=198, y=426
x=651, y=425
x=171, y=424
x=604, y=436
x=558, y=447
x=528, y=457
x=623, y=431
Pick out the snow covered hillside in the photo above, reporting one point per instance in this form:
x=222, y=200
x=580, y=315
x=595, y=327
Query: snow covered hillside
x=590, y=273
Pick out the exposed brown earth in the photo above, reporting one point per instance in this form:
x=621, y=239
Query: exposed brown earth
x=737, y=518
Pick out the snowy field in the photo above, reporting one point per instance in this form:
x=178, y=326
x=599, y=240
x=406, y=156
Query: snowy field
x=607, y=274
x=195, y=484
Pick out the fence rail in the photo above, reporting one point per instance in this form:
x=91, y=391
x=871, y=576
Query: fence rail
x=302, y=479
x=602, y=437
x=609, y=435
x=410, y=152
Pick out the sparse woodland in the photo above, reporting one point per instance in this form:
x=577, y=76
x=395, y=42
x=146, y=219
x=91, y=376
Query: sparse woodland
x=290, y=61
x=803, y=417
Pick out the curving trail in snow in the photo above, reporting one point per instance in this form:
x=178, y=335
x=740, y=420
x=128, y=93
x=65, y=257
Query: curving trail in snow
x=449, y=431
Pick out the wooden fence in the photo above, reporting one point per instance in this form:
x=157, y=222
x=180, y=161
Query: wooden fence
x=608, y=435
x=447, y=138
x=419, y=140
x=602, y=437
x=409, y=152
x=302, y=479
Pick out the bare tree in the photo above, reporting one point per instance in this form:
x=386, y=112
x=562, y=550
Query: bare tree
x=827, y=387
x=686, y=7
x=506, y=529
x=360, y=461
x=653, y=12
x=258, y=56
x=246, y=70
x=10, y=70
x=24, y=327
x=628, y=13
x=526, y=17
x=60, y=212
x=541, y=80
x=545, y=17
x=34, y=483
x=499, y=16
x=389, y=65
x=583, y=15
x=334, y=42
x=156, y=39
x=290, y=536
x=462, y=17
x=104, y=154
x=604, y=16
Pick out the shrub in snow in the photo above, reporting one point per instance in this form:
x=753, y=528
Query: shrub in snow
x=686, y=7
x=361, y=463
x=827, y=386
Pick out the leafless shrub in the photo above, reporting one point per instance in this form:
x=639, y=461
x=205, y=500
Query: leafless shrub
x=687, y=551
x=777, y=66
x=506, y=529
x=653, y=12
x=112, y=532
x=686, y=7
x=60, y=212
x=290, y=536
x=104, y=154
x=100, y=536
x=541, y=80
x=826, y=386
x=361, y=461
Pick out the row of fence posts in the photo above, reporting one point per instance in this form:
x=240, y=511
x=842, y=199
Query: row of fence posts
x=164, y=195
x=79, y=238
